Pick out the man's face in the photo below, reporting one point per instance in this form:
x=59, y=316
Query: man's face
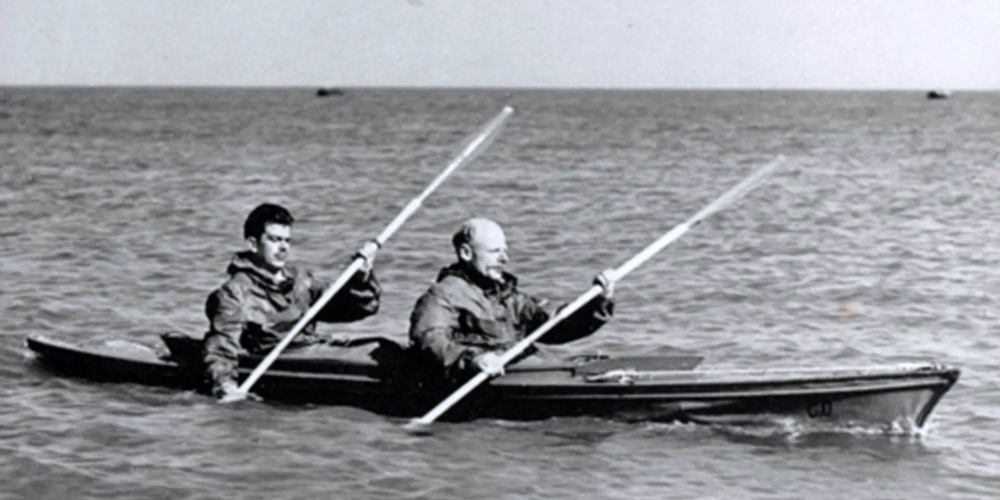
x=273, y=246
x=487, y=252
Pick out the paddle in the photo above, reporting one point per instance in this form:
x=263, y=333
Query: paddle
x=487, y=133
x=419, y=425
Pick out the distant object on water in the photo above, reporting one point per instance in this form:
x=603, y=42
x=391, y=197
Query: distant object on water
x=328, y=91
x=939, y=94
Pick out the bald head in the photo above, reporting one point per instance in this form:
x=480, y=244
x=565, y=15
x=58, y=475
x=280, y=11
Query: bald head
x=476, y=227
x=481, y=245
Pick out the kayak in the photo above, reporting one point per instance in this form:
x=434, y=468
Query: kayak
x=379, y=375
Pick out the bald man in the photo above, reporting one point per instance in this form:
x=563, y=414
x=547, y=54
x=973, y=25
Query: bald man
x=474, y=312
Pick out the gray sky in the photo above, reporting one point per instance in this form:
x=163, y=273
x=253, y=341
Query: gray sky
x=889, y=44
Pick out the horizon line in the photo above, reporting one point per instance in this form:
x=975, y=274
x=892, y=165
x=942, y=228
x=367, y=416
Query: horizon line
x=496, y=88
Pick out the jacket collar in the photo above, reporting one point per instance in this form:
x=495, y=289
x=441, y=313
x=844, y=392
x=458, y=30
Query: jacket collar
x=488, y=286
x=262, y=274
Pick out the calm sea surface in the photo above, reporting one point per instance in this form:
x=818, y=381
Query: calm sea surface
x=876, y=242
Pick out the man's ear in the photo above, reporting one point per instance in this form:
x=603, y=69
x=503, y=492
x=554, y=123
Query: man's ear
x=252, y=243
x=465, y=252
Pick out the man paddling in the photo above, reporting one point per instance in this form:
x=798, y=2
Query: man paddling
x=265, y=296
x=474, y=311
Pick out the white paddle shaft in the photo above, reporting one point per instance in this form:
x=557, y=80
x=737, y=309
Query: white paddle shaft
x=638, y=259
x=468, y=153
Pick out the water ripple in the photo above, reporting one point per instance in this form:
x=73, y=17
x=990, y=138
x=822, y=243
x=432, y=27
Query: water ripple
x=874, y=243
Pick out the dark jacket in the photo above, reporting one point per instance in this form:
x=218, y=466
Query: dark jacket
x=460, y=317
x=252, y=312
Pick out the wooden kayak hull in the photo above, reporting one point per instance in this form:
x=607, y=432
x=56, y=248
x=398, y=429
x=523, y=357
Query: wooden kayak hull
x=382, y=379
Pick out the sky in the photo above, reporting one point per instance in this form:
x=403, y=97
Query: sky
x=799, y=44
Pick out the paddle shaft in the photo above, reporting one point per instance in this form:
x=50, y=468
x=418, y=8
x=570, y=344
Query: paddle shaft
x=468, y=153
x=638, y=259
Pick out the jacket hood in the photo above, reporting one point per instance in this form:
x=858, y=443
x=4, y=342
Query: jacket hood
x=260, y=273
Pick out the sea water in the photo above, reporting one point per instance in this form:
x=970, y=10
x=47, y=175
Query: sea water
x=875, y=242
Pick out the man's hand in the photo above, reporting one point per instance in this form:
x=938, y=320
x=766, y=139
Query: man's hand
x=367, y=253
x=489, y=363
x=606, y=279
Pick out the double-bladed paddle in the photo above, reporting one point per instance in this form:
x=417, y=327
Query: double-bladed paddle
x=420, y=424
x=486, y=134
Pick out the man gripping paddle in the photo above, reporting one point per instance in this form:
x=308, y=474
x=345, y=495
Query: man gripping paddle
x=474, y=311
x=265, y=296
x=277, y=247
x=601, y=288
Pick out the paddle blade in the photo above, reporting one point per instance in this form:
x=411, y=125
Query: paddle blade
x=740, y=190
x=474, y=144
x=418, y=427
x=233, y=397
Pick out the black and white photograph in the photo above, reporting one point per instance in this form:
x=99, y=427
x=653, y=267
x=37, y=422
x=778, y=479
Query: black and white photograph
x=510, y=249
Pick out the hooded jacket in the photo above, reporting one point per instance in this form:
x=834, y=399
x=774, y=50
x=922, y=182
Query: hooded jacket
x=253, y=310
x=460, y=317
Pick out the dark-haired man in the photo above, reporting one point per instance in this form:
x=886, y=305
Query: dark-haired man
x=474, y=311
x=265, y=296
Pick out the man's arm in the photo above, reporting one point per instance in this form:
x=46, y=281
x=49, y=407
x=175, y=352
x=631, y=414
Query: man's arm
x=221, y=347
x=431, y=325
x=583, y=322
x=359, y=298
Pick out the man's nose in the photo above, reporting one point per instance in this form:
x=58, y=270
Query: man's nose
x=503, y=257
